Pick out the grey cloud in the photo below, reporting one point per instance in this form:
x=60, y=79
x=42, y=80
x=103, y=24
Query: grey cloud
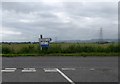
x=84, y=21
x=26, y=7
x=93, y=9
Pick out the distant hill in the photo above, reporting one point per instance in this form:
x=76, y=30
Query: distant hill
x=87, y=41
x=66, y=41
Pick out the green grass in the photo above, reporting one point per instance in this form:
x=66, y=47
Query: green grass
x=61, y=49
x=0, y=48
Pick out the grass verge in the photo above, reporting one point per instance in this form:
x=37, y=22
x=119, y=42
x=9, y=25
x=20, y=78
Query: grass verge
x=62, y=49
x=61, y=54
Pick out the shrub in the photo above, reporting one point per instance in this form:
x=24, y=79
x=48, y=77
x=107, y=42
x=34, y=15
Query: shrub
x=60, y=48
x=53, y=49
x=6, y=50
x=27, y=49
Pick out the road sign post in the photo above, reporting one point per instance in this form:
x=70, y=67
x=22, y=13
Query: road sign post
x=44, y=42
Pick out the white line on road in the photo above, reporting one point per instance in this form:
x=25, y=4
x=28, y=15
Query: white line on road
x=29, y=70
x=68, y=69
x=10, y=68
x=7, y=70
x=92, y=69
x=65, y=76
x=50, y=69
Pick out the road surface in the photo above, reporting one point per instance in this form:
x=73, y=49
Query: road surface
x=60, y=69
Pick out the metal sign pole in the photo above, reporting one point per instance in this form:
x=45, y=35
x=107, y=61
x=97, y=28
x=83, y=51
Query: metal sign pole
x=40, y=37
x=41, y=48
x=40, y=41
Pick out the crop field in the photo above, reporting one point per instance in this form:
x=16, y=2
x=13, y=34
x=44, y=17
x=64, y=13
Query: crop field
x=61, y=49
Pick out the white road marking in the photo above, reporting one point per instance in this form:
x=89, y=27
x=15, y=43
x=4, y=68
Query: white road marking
x=65, y=76
x=10, y=68
x=7, y=70
x=50, y=69
x=29, y=70
x=68, y=69
x=92, y=69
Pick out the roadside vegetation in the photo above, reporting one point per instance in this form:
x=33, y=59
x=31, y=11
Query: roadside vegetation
x=61, y=49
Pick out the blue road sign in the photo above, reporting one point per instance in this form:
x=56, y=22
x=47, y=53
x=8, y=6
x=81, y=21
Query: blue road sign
x=44, y=44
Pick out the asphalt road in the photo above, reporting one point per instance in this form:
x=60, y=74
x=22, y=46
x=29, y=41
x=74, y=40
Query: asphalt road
x=60, y=69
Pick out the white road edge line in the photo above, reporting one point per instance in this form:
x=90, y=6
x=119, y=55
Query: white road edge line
x=65, y=76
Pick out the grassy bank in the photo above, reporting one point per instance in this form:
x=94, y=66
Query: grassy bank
x=61, y=49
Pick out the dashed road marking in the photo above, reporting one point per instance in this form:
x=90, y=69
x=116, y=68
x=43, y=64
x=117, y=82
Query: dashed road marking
x=29, y=70
x=92, y=69
x=50, y=69
x=7, y=70
x=68, y=68
x=34, y=70
x=10, y=68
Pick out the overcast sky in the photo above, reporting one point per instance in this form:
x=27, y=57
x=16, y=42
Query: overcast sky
x=24, y=21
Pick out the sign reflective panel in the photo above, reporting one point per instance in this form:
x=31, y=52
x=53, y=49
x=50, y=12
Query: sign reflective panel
x=44, y=44
x=45, y=39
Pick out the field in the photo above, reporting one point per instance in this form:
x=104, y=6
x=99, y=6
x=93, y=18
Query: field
x=61, y=49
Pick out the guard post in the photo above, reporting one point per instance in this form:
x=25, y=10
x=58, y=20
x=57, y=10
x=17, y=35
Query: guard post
x=44, y=42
